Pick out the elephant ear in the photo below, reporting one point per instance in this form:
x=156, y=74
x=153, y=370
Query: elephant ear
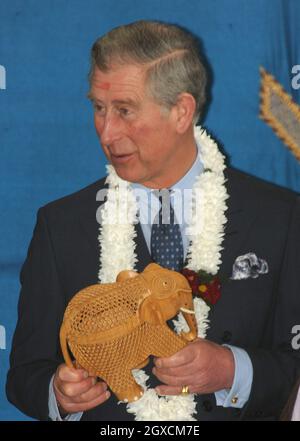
x=149, y=312
x=125, y=275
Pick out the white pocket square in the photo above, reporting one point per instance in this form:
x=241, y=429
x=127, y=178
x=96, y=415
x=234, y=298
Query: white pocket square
x=248, y=266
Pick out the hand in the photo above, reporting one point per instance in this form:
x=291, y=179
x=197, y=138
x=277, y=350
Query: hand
x=202, y=365
x=76, y=391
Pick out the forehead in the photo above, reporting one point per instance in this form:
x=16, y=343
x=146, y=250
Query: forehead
x=117, y=82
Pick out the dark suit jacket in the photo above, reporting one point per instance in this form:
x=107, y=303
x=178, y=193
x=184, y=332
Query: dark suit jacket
x=255, y=314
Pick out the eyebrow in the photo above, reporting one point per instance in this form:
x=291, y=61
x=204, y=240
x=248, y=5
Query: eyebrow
x=127, y=101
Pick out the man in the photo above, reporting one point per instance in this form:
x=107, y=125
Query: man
x=148, y=87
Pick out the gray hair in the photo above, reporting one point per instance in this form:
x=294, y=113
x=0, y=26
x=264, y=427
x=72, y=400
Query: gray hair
x=170, y=54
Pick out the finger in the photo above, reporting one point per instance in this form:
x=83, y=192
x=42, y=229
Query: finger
x=183, y=370
x=173, y=390
x=173, y=380
x=181, y=358
x=71, y=375
x=72, y=390
x=82, y=407
x=92, y=393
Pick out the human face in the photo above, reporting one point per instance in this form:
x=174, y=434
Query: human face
x=138, y=137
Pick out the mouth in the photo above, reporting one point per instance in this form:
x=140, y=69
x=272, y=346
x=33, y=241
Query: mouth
x=121, y=159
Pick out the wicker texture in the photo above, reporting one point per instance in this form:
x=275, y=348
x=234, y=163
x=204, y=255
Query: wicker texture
x=113, y=328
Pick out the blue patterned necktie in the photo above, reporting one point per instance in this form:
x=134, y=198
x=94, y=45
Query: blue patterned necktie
x=166, y=239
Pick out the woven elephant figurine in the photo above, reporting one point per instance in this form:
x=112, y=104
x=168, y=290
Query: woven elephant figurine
x=113, y=328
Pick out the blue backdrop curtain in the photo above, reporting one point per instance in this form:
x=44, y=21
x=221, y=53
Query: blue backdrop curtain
x=48, y=147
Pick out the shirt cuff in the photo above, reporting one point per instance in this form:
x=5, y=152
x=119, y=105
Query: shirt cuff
x=239, y=393
x=54, y=414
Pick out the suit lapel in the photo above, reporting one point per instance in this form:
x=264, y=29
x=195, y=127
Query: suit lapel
x=88, y=223
x=90, y=231
x=142, y=252
x=240, y=217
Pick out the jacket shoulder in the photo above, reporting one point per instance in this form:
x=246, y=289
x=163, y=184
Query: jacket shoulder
x=80, y=201
x=256, y=189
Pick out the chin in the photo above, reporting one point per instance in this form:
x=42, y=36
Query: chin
x=127, y=175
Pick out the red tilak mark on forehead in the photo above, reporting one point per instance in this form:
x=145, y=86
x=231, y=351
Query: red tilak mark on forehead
x=104, y=86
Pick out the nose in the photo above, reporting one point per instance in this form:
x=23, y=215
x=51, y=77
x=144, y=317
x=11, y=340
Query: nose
x=111, y=129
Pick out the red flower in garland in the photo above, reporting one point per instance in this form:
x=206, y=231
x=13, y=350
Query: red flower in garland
x=204, y=285
x=193, y=279
x=210, y=292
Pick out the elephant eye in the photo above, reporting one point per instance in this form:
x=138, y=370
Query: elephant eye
x=162, y=286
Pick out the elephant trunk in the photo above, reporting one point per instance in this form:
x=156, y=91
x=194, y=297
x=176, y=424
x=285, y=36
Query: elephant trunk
x=189, y=316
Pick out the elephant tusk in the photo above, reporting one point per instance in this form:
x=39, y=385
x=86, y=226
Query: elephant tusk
x=188, y=311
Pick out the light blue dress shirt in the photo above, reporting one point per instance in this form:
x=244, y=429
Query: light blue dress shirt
x=181, y=197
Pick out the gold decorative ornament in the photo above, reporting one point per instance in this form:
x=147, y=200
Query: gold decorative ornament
x=280, y=112
x=112, y=328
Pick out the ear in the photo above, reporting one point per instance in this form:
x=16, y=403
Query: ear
x=125, y=275
x=184, y=112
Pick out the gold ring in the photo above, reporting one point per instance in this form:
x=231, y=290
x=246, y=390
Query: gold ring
x=185, y=390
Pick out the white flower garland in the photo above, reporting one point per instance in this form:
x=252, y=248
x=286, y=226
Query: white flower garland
x=206, y=232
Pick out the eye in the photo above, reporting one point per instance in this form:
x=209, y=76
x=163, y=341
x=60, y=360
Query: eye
x=123, y=111
x=99, y=109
